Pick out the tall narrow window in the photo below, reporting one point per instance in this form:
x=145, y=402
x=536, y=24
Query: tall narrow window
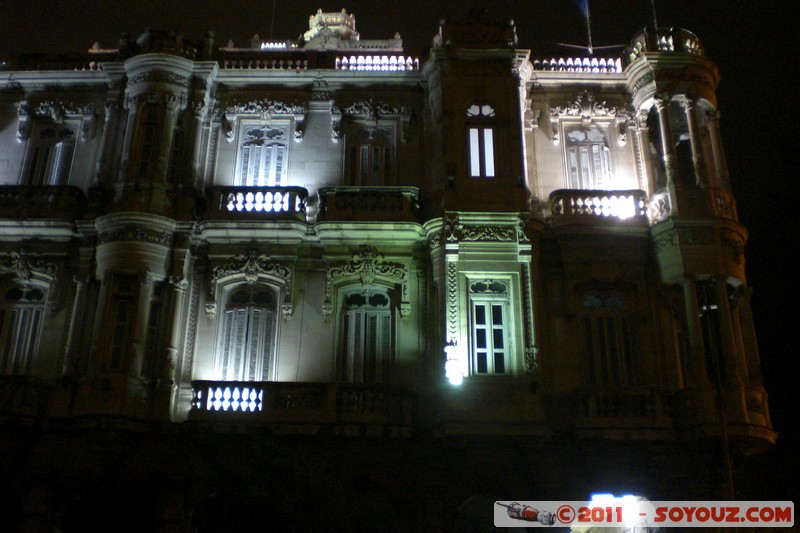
x=176, y=156
x=366, y=337
x=608, y=339
x=248, y=336
x=588, y=159
x=490, y=328
x=121, y=318
x=51, y=157
x=369, y=156
x=481, y=141
x=156, y=331
x=21, y=319
x=262, y=158
x=148, y=141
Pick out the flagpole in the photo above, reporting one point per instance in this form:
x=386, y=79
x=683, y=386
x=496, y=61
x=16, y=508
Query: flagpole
x=589, y=28
x=653, y=9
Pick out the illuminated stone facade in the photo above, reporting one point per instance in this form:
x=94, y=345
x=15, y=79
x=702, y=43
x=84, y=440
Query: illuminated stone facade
x=400, y=283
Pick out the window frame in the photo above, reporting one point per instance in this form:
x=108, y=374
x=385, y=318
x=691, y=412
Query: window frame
x=481, y=141
x=276, y=173
x=262, y=364
x=50, y=159
x=353, y=336
x=22, y=326
x=608, y=339
x=593, y=167
x=361, y=139
x=486, y=293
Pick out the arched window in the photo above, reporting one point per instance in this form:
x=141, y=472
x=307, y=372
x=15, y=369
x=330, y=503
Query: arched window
x=480, y=121
x=262, y=157
x=366, y=340
x=21, y=319
x=247, y=335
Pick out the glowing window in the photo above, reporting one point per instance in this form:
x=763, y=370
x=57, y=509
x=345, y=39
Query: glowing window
x=481, y=141
x=263, y=157
x=588, y=159
x=490, y=329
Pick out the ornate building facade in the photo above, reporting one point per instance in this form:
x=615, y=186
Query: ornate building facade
x=236, y=280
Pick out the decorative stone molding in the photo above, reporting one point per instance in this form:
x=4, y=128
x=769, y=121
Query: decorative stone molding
x=25, y=264
x=320, y=91
x=488, y=286
x=455, y=232
x=135, y=233
x=253, y=265
x=211, y=310
x=372, y=110
x=366, y=265
x=586, y=107
x=23, y=121
x=452, y=302
x=266, y=109
x=158, y=76
x=57, y=110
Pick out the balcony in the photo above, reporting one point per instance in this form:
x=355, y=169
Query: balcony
x=256, y=203
x=369, y=204
x=62, y=202
x=306, y=408
x=599, y=208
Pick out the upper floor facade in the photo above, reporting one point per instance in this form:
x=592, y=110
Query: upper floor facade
x=332, y=227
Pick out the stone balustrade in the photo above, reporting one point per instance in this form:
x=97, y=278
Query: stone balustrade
x=264, y=63
x=302, y=403
x=62, y=202
x=576, y=206
x=664, y=40
x=579, y=64
x=382, y=204
x=377, y=63
x=240, y=203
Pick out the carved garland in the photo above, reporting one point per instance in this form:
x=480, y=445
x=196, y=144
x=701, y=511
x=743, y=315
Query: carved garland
x=133, y=233
x=265, y=109
x=372, y=111
x=366, y=266
x=25, y=264
x=253, y=265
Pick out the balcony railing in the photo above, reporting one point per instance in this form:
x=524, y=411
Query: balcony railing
x=380, y=204
x=377, y=63
x=54, y=202
x=664, y=40
x=579, y=64
x=575, y=206
x=616, y=408
x=302, y=403
x=257, y=203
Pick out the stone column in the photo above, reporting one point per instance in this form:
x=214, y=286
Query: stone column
x=689, y=106
x=749, y=336
x=200, y=111
x=667, y=144
x=697, y=349
x=76, y=320
x=642, y=144
x=132, y=104
x=720, y=164
x=168, y=370
x=735, y=370
x=107, y=142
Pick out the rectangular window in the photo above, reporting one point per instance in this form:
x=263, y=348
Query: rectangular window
x=481, y=153
x=262, y=164
x=589, y=166
x=610, y=350
x=121, y=317
x=369, y=165
x=489, y=338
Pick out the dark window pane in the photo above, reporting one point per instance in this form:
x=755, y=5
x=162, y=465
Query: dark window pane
x=499, y=363
x=482, y=363
x=480, y=338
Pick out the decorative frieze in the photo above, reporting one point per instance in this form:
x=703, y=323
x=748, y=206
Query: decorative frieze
x=158, y=76
x=135, y=233
x=366, y=266
x=587, y=107
x=371, y=110
x=25, y=264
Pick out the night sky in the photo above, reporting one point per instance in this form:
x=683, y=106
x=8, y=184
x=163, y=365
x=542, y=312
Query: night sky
x=749, y=41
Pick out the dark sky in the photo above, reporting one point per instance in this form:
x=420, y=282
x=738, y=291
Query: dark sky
x=749, y=41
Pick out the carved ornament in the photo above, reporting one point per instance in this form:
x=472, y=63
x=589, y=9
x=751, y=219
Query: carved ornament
x=158, y=76
x=135, y=233
x=252, y=265
x=586, y=107
x=25, y=264
x=366, y=265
